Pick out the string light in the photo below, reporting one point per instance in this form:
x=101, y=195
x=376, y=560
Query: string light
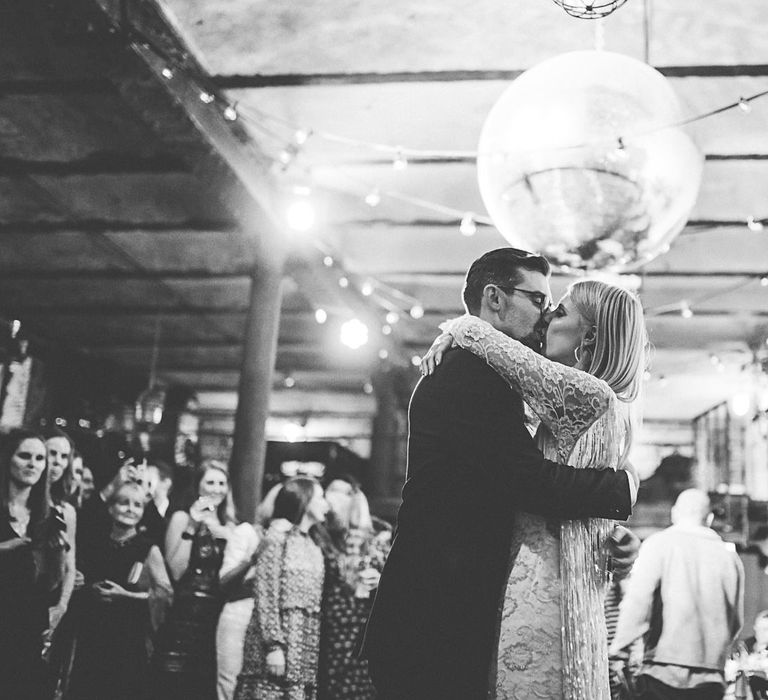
x=343, y=282
x=685, y=310
x=401, y=162
x=206, y=97
x=289, y=382
x=386, y=329
x=764, y=281
x=367, y=289
x=328, y=261
x=383, y=354
x=167, y=73
x=301, y=136
x=230, y=113
x=393, y=317
x=300, y=214
x=468, y=227
x=354, y=333
x=754, y=224
x=368, y=388
x=415, y=360
x=647, y=375
x=417, y=311
x=373, y=198
x=714, y=359
x=744, y=105
x=321, y=316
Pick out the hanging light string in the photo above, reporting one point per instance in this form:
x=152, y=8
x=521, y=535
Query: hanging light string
x=254, y=116
x=690, y=304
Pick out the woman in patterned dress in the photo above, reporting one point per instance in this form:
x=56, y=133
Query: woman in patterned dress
x=280, y=655
x=355, y=556
x=552, y=639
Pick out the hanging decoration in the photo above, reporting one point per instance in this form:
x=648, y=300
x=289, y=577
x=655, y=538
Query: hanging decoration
x=587, y=9
x=577, y=160
x=150, y=404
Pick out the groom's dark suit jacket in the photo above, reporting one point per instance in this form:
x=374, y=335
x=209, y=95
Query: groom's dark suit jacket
x=471, y=465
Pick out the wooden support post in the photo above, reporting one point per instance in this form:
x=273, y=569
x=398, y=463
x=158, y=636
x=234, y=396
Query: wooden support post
x=246, y=464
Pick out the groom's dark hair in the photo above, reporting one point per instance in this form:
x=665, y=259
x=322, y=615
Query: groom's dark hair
x=502, y=267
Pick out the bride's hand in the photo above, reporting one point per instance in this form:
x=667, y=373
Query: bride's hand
x=434, y=355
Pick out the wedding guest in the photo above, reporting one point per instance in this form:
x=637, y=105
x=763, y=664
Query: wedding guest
x=685, y=598
x=112, y=660
x=280, y=656
x=31, y=563
x=185, y=654
x=87, y=485
x=353, y=565
x=159, y=484
x=60, y=450
x=236, y=578
x=60, y=636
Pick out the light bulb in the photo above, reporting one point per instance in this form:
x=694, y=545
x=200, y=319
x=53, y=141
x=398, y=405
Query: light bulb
x=373, y=198
x=230, y=113
x=289, y=382
x=740, y=404
x=415, y=360
x=400, y=162
x=386, y=329
x=764, y=281
x=300, y=215
x=301, y=136
x=754, y=224
x=321, y=316
x=367, y=289
x=685, y=310
x=468, y=226
x=343, y=282
x=328, y=261
x=354, y=333
x=744, y=105
x=368, y=388
x=167, y=73
x=383, y=354
x=393, y=317
x=417, y=311
x=206, y=97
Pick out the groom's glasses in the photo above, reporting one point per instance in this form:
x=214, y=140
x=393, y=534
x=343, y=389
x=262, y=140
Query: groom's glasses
x=540, y=300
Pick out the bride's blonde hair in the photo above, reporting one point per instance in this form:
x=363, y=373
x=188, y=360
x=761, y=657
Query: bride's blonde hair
x=618, y=351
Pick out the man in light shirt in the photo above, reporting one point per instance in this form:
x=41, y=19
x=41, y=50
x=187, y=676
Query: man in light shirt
x=685, y=598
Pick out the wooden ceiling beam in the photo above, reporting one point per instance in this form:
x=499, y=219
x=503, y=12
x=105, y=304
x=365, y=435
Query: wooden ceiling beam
x=98, y=226
x=104, y=163
x=255, y=81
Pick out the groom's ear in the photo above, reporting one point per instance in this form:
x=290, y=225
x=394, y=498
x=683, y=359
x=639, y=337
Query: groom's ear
x=492, y=296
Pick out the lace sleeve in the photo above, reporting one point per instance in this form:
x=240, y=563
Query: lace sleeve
x=566, y=400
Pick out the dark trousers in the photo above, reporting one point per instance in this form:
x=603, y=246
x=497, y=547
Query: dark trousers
x=651, y=689
x=443, y=682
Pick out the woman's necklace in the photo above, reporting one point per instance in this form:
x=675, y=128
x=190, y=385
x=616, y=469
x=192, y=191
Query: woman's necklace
x=20, y=516
x=122, y=537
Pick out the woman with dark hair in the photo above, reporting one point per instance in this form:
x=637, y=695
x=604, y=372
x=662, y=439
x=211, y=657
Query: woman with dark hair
x=280, y=655
x=60, y=645
x=185, y=654
x=31, y=563
x=353, y=564
x=121, y=572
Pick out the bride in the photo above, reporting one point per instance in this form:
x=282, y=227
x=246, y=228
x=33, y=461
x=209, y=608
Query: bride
x=552, y=638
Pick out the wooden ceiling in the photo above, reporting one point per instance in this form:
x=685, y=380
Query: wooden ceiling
x=115, y=211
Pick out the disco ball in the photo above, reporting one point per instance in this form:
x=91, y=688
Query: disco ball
x=580, y=160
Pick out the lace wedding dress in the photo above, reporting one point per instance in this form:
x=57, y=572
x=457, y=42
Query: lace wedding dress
x=552, y=636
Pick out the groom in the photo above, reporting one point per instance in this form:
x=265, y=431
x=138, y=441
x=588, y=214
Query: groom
x=471, y=464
